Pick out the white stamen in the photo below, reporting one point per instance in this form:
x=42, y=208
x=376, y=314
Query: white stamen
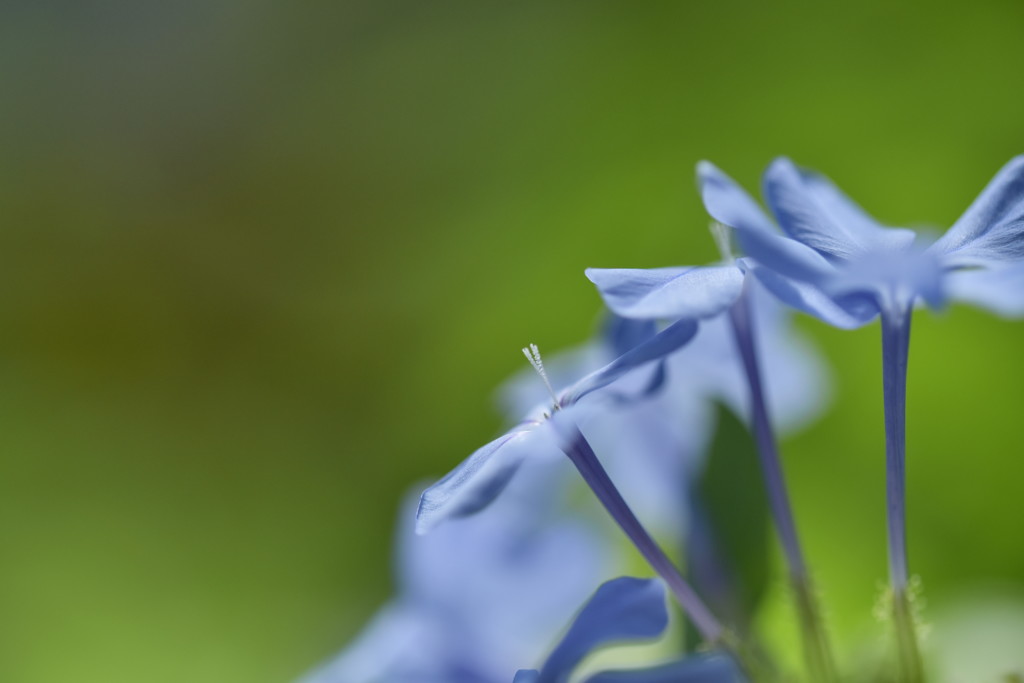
x=532, y=354
x=722, y=235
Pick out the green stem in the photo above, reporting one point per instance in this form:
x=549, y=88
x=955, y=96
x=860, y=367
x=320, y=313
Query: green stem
x=752, y=662
x=817, y=653
x=910, y=666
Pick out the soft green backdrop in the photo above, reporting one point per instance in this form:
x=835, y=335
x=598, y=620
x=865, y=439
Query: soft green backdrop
x=261, y=265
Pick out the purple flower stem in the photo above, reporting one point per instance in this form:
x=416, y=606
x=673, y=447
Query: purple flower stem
x=895, y=355
x=583, y=457
x=817, y=651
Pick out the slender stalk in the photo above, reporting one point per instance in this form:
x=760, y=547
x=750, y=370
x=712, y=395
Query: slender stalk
x=817, y=651
x=583, y=457
x=895, y=355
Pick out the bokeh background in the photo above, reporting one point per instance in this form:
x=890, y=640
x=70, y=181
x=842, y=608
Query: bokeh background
x=262, y=264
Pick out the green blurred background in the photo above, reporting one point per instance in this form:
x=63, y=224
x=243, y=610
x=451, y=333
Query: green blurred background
x=262, y=264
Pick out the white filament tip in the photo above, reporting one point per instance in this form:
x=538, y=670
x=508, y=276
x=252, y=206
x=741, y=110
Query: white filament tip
x=532, y=354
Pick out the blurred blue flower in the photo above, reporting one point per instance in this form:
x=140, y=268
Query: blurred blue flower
x=477, y=597
x=626, y=609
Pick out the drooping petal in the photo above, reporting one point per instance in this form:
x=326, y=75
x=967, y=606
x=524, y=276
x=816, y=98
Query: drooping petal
x=660, y=345
x=812, y=210
x=482, y=476
x=622, y=609
x=1000, y=290
x=785, y=255
x=845, y=312
x=622, y=334
x=728, y=203
x=684, y=292
x=714, y=668
x=992, y=228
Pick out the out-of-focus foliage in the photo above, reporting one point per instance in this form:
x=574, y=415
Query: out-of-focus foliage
x=260, y=262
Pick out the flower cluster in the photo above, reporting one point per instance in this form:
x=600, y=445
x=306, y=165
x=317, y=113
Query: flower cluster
x=499, y=553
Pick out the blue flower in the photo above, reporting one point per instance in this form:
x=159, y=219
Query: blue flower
x=553, y=427
x=728, y=291
x=865, y=268
x=626, y=609
x=477, y=597
x=485, y=473
x=654, y=449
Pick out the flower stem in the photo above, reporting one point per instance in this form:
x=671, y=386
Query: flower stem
x=895, y=355
x=817, y=651
x=583, y=457
x=711, y=630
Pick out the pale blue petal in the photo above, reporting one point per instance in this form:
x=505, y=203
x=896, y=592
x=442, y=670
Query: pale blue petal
x=812, y=210
x=479, y=479
x=499, y=585
x=785, y=255
x=728, y=203
x=845, y=312
x=622, y=334
x=527, y=676
x=1000, y=290
x=992, y=228
x=665, y=342
x=685, y=292
x=893, y=276
x=503, y=582
x=622, y=609
x=698, y=669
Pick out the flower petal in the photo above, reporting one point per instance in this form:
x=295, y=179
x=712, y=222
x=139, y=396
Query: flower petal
x=785, y=256
x=812, y=210
x=1000, y=290
x=992, y=228
x=713, y=668
x=904, y=274
x=622, y=609
x=660, y=345
x=622, y=334
x=479, y=479
x=845, y=312
x=527, y=676
x=728, y=203
x=684, y=292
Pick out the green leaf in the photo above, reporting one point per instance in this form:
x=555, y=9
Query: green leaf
x=728, y=544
